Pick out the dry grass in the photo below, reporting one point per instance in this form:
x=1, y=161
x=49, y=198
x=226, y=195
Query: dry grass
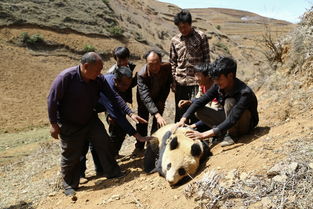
x=215, y=190
x=31, y=178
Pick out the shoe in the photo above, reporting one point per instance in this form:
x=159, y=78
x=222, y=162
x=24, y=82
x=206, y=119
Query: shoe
x=69, y=191
x=216, y=139
x=120, y=175
x=83, y=180
x=138, y=152
x=99, y=174
x=227, y=141
x=118, y=156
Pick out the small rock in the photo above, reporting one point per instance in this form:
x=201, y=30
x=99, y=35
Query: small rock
x=275, y=170
x=311, y=165
x=115, y=197
x=176, y=197
x=52, y=194
x=244, y=176
x=74, y=198
x=292, y=167
x=232, y=174
x=280, y=178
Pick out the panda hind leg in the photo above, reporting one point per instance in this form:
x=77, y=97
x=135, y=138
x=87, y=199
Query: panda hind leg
x=206, y=152
x=150, y=157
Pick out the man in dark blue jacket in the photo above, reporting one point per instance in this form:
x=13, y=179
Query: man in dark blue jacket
x=118, y=81
x=240, y=113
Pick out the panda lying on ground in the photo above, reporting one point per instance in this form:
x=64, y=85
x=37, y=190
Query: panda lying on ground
x=174, y=155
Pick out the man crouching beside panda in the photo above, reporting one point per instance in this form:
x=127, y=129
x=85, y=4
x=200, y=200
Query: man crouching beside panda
x=177, y=151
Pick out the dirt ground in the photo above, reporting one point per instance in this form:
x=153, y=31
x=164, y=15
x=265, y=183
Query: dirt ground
x=29, y=158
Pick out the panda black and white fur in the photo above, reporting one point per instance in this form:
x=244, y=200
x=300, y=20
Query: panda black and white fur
x=174, y=155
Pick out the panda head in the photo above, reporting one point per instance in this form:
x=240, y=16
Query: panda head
x=181, y=157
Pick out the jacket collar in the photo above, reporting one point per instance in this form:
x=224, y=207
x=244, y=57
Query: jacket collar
x=192, y=33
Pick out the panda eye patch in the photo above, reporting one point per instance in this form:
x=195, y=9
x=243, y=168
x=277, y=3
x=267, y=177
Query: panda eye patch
x=169, y=166
x=181, y=171
x=196, y=150
x=174, y=143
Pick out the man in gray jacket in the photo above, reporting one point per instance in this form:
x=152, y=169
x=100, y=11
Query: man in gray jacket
x=153, y=86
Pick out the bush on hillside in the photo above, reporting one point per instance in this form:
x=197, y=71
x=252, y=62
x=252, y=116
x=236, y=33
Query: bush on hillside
x=31, y=40
x=89, y=48
x=116, y=31
x=307, y=17
x=301, y=51
x=272, y=49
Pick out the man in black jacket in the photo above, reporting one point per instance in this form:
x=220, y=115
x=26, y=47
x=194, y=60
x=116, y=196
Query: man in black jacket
x=240, y=113
x=153, y=86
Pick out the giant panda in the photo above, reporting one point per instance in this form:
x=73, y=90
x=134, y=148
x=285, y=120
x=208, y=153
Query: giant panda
x=174, y=155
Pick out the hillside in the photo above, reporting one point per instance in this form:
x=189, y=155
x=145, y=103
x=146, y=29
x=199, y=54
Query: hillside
x=29, y=158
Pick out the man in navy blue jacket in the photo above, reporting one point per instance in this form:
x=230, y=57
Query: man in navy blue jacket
x=119, y=81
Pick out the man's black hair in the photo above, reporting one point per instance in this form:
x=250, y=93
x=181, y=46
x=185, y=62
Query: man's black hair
x=223, y=66
x=183, y=16
x=145, y=56
x=121, y=52
x=119, y=72
x=204, y=68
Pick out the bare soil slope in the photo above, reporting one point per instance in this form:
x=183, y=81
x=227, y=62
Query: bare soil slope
x=29, y=165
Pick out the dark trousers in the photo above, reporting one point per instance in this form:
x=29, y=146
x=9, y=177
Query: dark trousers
x=212, y=117
x=73, y=141
x=142, y=128
x=98, y=167
x=116, y=138
x=184, y=93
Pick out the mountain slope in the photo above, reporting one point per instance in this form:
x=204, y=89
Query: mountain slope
x=29, y=158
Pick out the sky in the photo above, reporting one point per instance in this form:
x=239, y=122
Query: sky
x=289, y=10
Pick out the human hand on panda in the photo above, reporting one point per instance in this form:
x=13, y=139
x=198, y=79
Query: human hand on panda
x=195, y=135
x=160, y=119
x=181, y=123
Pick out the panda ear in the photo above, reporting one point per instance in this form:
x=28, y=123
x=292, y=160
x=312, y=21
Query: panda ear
x=196, y=150
x=173, y=143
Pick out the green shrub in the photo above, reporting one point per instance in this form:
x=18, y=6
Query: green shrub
x=89, y=48
x=116, y=31
x=32, y=40
x=218, y=27
x=36, y=38
x=24, y=37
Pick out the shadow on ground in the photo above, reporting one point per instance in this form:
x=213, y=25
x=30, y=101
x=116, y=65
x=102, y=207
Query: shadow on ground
x=22, y=205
